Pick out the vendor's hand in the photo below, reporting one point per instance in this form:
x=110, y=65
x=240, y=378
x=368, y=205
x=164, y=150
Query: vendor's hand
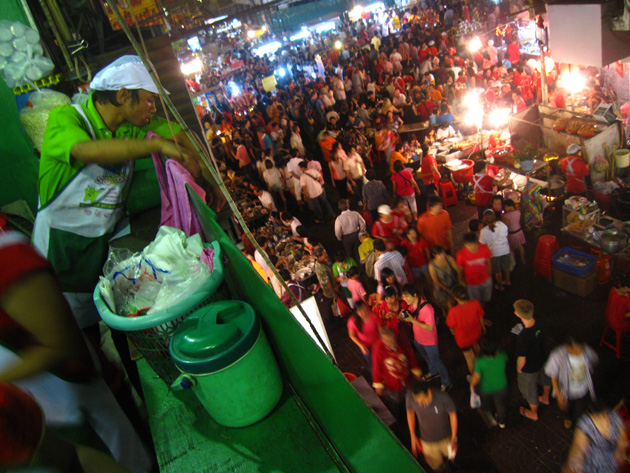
x=454, y=444
x=171, y=150
x=364, y=350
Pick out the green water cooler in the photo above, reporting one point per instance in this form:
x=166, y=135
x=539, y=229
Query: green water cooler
x=225, y=358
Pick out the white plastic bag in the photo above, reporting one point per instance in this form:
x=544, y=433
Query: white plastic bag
x=19, y=46
x=165, y=273
x=34, y=118
x=475, y=400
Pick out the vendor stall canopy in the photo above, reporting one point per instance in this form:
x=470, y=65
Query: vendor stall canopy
x=582, y=33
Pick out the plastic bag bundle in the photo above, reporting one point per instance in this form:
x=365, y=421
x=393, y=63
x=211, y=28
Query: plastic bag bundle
x=165, y=273
x=21, y=54
x=34, y=118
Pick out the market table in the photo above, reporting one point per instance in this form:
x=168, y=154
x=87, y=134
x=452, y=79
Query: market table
x=413, y=127
x=186, y=438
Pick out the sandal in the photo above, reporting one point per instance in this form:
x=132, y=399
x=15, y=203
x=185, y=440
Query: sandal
x=527, y=414
x=499, y=287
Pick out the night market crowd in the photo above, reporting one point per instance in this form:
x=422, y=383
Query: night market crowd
x=326, y=148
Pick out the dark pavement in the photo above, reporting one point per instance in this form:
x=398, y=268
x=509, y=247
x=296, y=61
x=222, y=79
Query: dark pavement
x=524, y=446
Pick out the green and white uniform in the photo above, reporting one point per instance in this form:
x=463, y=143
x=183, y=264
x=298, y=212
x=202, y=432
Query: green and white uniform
x=80, y=204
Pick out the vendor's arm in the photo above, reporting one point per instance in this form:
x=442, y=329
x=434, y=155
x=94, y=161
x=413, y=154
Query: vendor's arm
x=117, y=151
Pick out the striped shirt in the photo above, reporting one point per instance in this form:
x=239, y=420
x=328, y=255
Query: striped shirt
x=394, y=261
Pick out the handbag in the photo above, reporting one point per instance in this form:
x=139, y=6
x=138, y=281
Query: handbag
x=344, y=308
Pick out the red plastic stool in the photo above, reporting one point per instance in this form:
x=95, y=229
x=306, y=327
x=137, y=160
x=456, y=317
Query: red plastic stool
x=618, y=336
x=447, y=193
x=547, y=245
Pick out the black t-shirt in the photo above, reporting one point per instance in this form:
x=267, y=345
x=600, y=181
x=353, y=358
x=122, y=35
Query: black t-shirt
x=530, y=344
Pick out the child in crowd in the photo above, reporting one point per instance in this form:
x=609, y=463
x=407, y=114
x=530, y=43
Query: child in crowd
x=355, y=286
x=516, y=237
x=497, y=206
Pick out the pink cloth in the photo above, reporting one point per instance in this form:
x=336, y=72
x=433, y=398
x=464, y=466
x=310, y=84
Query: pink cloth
x=516, y=237
x=176, y=209
x=356, y=289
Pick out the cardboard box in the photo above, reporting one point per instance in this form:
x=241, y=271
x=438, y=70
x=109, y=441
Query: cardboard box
x=581, y=286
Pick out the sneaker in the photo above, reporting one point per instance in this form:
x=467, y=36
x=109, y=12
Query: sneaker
x=501, y=426
x=446, y=389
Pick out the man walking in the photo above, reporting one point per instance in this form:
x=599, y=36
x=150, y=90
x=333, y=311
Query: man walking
x=312, y=184
x=437, y=419
x=347, y=227
x=530, y=359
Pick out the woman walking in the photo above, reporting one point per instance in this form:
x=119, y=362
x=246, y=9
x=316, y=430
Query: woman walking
x=495, y=236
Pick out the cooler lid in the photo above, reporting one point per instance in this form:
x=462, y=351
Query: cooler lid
x=214, y=337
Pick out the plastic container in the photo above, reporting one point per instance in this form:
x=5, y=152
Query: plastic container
x=226, y=359
x=152, y=333
x=580, y=271
x=622, y=158
x=580, y=286
x=464, y=174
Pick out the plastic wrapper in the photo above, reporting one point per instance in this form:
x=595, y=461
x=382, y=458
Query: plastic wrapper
x=34, y=118
x=605, y=187
x=165, y=273
x=24, y=60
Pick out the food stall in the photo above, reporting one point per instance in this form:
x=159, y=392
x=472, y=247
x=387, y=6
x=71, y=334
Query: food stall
x=554, y=129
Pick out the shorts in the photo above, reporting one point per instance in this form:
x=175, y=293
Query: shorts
x=21, y=426
x=528, y=385
x=410, y=200
x=482, y=292
x=500, y=263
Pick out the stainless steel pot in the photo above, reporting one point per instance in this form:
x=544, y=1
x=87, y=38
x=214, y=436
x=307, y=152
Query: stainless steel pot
x=613, y=241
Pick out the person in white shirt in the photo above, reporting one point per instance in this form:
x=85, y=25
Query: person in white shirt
x=399, y=99
x=339, y=88
x=274, y=179
x=312, y=184
x=445, y=131
x=288, y=220
x=266, y=200
x=495, y=236
x=295, y=173
x=347, y=227
x=296, y=141
x=355, y=168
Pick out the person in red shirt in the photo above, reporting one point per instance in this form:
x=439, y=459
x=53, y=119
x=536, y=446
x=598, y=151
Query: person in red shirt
x=518, y=101
x=405, y=186
x=363, y=327
x=466, y=323
x=514, y=51
x=417, y=252
x=483, y=186
x=618, y=306
x=389, y=309
x=393, y=364
x=575, y=169
x=435, y=224
x=429, y=172
x=388, y=228
x=474, y=267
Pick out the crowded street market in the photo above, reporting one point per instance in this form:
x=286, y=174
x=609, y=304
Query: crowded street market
x=315, y=236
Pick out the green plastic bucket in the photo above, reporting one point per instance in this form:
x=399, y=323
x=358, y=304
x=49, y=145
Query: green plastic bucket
x=226, y=359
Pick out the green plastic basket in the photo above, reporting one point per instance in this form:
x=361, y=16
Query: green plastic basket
x=152, y=333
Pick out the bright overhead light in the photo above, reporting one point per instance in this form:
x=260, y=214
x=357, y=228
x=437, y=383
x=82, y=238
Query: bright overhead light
x=474, y=117
x=474, y=45
x=281, y=72
x=327, y=26
x=471, y=99
x=499, y=117
x=251, y=33
x=338, y=44
x=214, y=20
x=372, y=7
x=574, y=82
x=301, y=35
x=192, y=67
x=269, y=48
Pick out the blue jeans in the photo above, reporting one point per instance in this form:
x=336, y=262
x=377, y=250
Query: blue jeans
x=431, y=355
x=321, y=206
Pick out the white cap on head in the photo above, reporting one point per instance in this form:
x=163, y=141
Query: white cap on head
x=573, y=148
x=431, y=43
x=126, y=72
x=384, y=209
